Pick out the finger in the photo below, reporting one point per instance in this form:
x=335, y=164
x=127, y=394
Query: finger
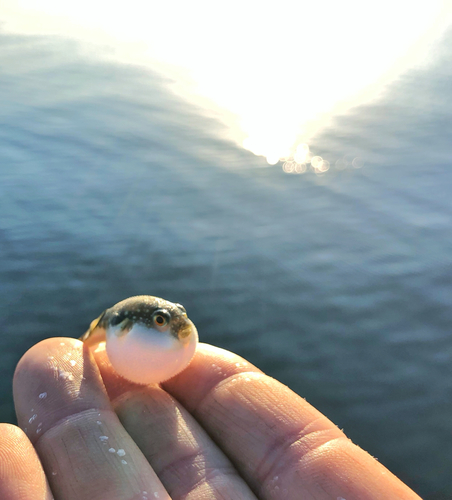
x=189, y=464
x=85, y=451
x=21, y=473
x=280, y=444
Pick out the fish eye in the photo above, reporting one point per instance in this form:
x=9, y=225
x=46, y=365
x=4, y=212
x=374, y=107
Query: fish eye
x=161, y=318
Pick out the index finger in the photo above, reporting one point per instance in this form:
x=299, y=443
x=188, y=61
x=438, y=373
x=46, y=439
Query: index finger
x=62, y=405
x=281, y=445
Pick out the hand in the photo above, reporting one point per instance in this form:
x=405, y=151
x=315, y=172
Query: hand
x=219, y=430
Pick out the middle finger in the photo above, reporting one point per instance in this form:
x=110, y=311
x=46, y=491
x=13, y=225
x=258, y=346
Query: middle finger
x=187, y=461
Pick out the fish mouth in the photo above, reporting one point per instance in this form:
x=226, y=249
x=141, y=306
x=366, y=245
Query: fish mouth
x=184, y=331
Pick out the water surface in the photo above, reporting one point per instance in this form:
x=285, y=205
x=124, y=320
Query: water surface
x=338, y=285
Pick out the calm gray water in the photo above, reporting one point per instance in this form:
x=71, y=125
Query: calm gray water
x=338, y=285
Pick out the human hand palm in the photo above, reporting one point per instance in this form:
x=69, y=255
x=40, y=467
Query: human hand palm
x=219, y=430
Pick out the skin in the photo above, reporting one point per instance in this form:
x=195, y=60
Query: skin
x=221, y=429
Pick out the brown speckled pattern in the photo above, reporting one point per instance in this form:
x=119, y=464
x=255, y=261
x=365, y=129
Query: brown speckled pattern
x=140, y=309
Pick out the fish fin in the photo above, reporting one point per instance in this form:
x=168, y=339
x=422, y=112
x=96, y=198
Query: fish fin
x=95, y=332
x=124, y=327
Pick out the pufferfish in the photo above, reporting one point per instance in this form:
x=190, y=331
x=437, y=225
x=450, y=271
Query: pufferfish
x=148, y=340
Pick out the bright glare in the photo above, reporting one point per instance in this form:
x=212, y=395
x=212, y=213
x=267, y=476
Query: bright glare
x=279, y=70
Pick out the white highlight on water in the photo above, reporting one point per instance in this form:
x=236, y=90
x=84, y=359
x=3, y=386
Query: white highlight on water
x=269, y=90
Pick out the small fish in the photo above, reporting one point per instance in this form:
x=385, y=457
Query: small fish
x=148, y=339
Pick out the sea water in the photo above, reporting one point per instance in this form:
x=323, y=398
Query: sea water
x=337, y=283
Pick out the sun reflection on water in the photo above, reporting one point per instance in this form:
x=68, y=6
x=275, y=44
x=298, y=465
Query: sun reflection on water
x=303, y=160
x=273, y=73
